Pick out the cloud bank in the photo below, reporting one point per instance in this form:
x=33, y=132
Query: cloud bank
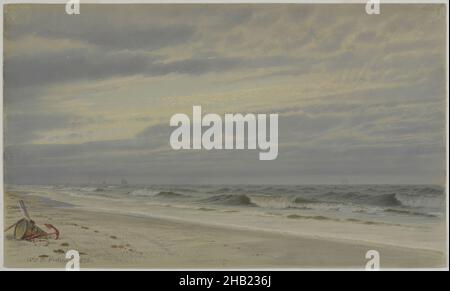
x=88, y=97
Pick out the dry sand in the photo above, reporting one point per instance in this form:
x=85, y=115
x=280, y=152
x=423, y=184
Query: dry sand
x=111, y=240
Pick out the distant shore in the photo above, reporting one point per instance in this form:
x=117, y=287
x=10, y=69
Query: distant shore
x=113, y=240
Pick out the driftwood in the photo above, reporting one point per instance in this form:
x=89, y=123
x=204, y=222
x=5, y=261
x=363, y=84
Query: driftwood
x=26, y=228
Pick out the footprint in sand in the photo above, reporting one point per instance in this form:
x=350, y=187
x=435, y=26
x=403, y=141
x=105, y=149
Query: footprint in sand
x=64, y=244
x=126, y=247
x=84, y=227
x=59, y=251
x=43, y=256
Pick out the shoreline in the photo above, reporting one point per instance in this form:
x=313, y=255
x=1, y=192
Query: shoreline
x=118, y=240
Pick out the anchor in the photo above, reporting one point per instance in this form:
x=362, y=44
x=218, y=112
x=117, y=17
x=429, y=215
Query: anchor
x=26, y=228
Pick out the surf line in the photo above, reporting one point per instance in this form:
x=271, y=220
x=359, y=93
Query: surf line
x=227, y=135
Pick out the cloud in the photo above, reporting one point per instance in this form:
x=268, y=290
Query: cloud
x=21, y=128
x=358, y=96
x=109, y=28
x=71, y=65
x=92, y=64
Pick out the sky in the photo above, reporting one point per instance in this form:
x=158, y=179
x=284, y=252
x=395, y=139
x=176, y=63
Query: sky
x=88, y=98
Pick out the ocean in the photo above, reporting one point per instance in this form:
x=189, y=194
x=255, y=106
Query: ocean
x=387, y=203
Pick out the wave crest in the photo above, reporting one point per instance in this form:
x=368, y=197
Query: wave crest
x=230, y=199
x=155, y=193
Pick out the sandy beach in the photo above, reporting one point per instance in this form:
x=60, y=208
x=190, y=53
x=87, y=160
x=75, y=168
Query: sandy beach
x=107, y=239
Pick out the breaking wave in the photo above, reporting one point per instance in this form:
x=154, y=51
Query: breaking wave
x=423, y=201
x=230, y=199
x=301, y=200
x=154, y=193
x=362, y=199
x=385, y=200
x=143, y=192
